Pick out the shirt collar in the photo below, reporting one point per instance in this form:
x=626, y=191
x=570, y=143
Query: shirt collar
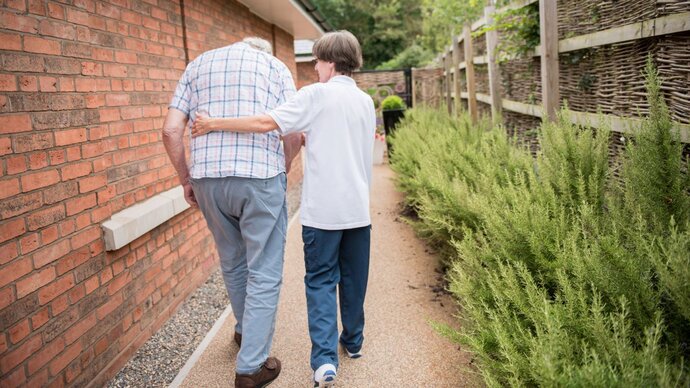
x=343, y=79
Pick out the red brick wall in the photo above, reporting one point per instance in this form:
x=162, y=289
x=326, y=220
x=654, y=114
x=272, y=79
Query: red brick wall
x=306, y=74
x=84, y=88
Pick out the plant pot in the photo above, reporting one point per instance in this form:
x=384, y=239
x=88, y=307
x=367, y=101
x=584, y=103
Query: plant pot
x=391, y=119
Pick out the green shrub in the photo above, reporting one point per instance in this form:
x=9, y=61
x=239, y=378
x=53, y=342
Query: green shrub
x=392, y=102
x=565, y=276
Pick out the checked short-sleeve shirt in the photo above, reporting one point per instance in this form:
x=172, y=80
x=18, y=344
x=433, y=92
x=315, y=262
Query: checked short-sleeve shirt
x=234, y=81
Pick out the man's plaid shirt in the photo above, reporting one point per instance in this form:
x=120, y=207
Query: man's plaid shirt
x=234, y=81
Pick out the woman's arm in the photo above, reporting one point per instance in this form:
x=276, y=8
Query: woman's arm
x=259, y=124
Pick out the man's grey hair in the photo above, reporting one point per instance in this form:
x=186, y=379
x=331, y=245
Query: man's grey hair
x=259, y=44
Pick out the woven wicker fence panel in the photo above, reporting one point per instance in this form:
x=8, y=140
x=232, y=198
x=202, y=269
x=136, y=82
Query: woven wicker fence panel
x=427, y=86
x=376, y=79
x=524, y=128
x=521, y=80
x=483, y=109
x=481, y=78
x=673, y=61
x=666, y=7
x=578, y=17
x=479, y=45
x=608, y=78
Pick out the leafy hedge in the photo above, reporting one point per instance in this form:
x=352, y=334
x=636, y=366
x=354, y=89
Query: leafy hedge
x=565, y=276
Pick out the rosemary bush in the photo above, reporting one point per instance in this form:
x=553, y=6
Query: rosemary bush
x=566, y=277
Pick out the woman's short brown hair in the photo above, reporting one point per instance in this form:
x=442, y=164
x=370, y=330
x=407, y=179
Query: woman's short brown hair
x=341, y=48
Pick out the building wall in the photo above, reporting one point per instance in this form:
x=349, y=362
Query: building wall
x=306, y=74
x=84, y=88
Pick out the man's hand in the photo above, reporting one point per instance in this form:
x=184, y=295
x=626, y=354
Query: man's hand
x=202, y=125
x=189, y=195
x=291, y=145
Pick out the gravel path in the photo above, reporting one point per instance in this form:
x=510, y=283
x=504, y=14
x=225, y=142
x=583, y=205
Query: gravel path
x=159, y=360
x=404, y=299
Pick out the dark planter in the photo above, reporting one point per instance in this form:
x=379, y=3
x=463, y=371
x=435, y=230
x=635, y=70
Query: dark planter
x=391, y=119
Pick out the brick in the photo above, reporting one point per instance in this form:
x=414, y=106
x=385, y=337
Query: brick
x=77, y=293
x=92, y=149
x=75, y=332
x=23, y=63
x=10, y=42
x=61, y=65
x=85, y=237
x=55, y=289
x=48, y=84
x=88, y=5
x=43, y=356
x=95, y=100
x=114, y=70
x=38, y=160
x=102, y=54
x=67, y=84
x=75, y=170
x=19, y=5
x=14, y=379
x=40, y=318
x=108, y=10
x=70, y=136
x=60, y=192
x=91, y=68
x=59, y=305
x=49, y=234
x=113, y=302
x=29, y=243
x=28, y=84
x=12, y=21
x=57, y=29
x=45, y=217
x=34, y=281
x=116, y=99
x=5, y=146
x=16, y=123
x=92, y=183
x=41, y=46
x=51, y=253
x=117, y=283
x=125, y=57
x=77, y=205
x=56, y=11
x=21, y=353
x=9, y=187
x=78, y=50
x=14, y=270
x=8, y=82
x=8, y=252
x=109, y=114
x=19, y=331
x=12, y=229
x=59, y=323
x=72, y=260
x=40, y=179
x=100, y=214
x=60, y=362
x=26, y=143
x=20, y=204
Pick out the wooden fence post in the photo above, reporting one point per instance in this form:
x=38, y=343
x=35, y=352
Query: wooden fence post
x=456, y=74
x=494, y=71
x=449, y=78
x=413, y=88
x=548, y=27
x=469, y=73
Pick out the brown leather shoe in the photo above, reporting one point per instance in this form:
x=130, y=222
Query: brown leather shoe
x=238, y=339
x=268, y=372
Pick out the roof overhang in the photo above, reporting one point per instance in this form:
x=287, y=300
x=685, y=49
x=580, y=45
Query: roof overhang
x=298, y=17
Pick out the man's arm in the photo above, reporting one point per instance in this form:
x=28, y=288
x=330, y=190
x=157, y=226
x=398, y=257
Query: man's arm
x=173, y=140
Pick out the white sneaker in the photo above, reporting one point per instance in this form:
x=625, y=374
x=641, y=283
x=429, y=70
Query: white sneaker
x=325, y=376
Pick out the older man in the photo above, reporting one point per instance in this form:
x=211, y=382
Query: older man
x=238, y=181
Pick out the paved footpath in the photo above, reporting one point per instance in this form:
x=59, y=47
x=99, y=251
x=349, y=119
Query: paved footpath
x=401, y=349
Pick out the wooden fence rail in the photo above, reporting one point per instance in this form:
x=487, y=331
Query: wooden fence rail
x=459, y=63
